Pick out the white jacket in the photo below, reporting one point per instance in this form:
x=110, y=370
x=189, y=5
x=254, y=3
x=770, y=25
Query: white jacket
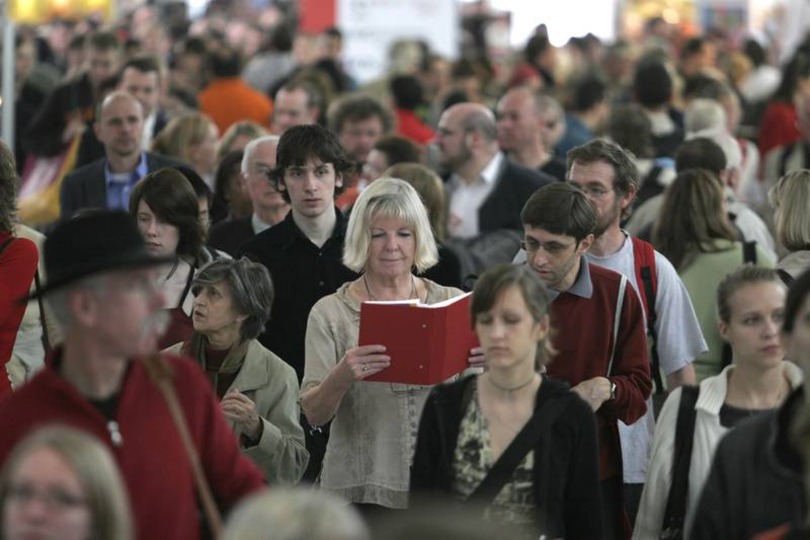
x=708, y=433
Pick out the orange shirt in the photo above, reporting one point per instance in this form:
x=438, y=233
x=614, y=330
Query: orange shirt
x=232, y=100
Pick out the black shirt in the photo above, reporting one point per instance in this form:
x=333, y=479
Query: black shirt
x=302, y=274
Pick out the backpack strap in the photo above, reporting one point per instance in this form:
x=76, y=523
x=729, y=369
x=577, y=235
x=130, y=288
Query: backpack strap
x=786, y=278
x=750, y=252
x=682, y=458
x=647, y=279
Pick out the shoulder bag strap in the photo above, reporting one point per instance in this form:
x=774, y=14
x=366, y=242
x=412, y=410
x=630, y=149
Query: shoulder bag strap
x=46, y=341
x=524, y=442
x=5, y=245
x=617, y=318
x=684, y=435
x=160, y=372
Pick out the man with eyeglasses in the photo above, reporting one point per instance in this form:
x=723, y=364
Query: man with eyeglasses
x=606, y=174
x=599, y=328
x=269, y=206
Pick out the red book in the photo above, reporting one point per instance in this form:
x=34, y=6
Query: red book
x=427, y=343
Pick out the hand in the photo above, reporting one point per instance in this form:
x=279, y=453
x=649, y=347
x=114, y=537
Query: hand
x=365, y=361
x=595, y=391
x=241, y=410
x=477, y=358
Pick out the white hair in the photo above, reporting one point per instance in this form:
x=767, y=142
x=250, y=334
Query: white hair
x=704, y=114
x=251, y=147
x=729, y=145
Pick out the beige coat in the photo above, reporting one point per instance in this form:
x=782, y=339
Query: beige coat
x=273, y=386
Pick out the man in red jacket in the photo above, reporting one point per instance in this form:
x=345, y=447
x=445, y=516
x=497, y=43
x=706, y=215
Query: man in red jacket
x=103, y=292
x=599, y=328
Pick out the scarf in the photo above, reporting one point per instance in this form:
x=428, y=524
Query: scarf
x=195, y=348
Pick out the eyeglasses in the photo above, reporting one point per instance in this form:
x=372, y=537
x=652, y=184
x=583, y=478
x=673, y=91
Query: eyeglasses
x=54, y=499
x=530, y=245
x=595, y=191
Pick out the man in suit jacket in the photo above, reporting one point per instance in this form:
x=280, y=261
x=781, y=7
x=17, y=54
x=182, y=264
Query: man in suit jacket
x=269, y=206
x=107, y=182
x=486, y=191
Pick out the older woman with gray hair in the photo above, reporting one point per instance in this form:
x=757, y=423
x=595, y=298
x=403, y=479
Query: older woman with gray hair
x=374, y=424
x=257, y=389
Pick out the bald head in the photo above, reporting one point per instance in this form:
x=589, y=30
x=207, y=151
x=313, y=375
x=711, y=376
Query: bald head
x=119, y=124
x=466, y=137
x=117, y=97
x=474, y=117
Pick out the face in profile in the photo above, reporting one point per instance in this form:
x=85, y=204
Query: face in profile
x=797, y=344
x=45, y=500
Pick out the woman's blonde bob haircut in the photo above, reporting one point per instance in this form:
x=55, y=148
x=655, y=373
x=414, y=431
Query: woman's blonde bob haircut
x=391, y=198
x=790, y=198
x=96, y=470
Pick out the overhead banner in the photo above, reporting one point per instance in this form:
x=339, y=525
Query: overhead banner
x=370, y=27
x=43, y=11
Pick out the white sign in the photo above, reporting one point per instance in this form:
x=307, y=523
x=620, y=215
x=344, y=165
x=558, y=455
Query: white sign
x=370, y=26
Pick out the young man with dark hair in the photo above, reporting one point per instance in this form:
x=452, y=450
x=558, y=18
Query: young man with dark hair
x=304, y=253
x=602, y=358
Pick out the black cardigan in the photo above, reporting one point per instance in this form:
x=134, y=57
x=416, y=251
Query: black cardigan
x=566, y=475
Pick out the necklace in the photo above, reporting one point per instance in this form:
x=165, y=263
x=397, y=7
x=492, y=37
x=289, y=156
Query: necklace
x=371, y=296
x=508, y=392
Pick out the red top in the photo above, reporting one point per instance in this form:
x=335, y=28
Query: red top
x=231, y=100
x=584, y=341
x=777, y=127
x=150, y=455
x=410, y=126
x=18, y=263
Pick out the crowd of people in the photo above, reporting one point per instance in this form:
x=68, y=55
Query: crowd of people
x=180, y=305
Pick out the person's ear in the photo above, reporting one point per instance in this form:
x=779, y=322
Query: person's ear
x=339, y=180
x=542, y=328
x=723, y=329
x=585, y=244
x=629, y=197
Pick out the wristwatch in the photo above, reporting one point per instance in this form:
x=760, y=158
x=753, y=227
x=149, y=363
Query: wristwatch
x=612, y=390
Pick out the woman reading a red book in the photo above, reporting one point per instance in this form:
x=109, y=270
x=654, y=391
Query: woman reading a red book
x=510, y=440
x=374, y=424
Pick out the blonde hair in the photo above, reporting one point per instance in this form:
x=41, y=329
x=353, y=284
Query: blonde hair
x=93, y=465
x=390, y=197
x=180, y=134
x=430, y=188
x=790, y=198
x=295, y=514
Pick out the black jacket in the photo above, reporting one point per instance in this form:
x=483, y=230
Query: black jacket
x=566, y=475
x=86, y=187
x=302, y=274
x=755, y=483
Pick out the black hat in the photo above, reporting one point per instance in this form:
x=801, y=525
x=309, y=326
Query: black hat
x=92, y=243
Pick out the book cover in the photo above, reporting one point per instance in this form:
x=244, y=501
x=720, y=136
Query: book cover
x=427, y=343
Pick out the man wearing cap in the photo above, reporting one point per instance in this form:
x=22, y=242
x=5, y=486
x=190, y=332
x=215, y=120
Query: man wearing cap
x=103, y=291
